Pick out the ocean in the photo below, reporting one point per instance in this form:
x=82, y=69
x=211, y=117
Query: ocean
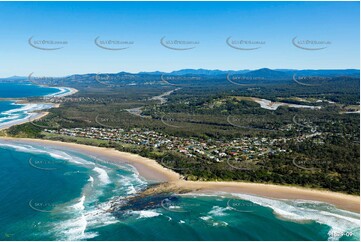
x=12, y=112
x=49, y=193
x=22, y=90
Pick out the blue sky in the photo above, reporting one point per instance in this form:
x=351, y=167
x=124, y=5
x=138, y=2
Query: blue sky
x=274, y=24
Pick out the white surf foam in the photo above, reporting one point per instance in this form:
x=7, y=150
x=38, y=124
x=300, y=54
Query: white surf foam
x=84, y=213
x=211, y=221
x=130, y=183
x=205, y=218
x=57, y=154
x=73, y=229
x=340, y=221
x=91, y=180
x=21, y=114
x=80, y=204
x=146, y=214
x=102, y=175
x=218, y=211
x=63, y=91
x=82, y=218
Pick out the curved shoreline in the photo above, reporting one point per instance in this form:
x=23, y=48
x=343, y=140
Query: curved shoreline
x=153, y=171
x=71, y=91
x=32, y=116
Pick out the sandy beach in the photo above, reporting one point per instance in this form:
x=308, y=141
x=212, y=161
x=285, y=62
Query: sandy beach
x=147, y=168
x=153, y=171
x=70, y=89
x=39, y=113
x=33, y=117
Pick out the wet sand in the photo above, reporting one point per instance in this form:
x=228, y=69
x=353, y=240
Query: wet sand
x=153, y=171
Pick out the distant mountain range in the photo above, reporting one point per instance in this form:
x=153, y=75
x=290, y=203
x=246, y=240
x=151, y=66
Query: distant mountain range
x=125, y=78
x=260, y=72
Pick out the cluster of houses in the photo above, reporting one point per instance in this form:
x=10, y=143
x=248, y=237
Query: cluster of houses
x=244, y=148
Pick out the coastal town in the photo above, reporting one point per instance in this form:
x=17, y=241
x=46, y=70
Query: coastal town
x=180, y=121
x=245, y=148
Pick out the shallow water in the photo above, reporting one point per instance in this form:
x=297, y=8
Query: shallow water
x=50, y=193
x=11, y=112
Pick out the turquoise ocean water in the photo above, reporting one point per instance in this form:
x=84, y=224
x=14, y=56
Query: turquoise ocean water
x=10, y=111
x=48, y=193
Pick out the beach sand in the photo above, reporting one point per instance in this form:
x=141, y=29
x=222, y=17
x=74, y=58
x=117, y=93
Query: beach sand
x=153, y=171
x=147, y=168
x=72, y=91
x=33, y=117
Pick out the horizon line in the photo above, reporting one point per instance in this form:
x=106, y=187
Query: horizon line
x=168, y=72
